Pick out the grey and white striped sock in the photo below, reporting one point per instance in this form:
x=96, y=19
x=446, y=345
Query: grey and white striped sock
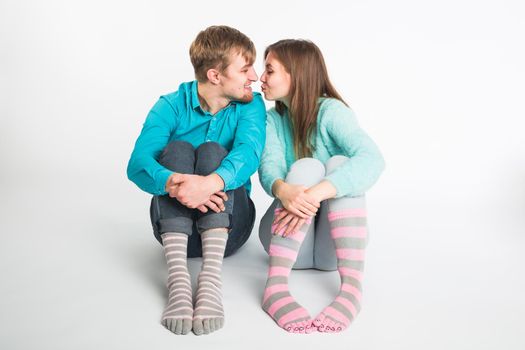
x=209, y=314
x=178, y=314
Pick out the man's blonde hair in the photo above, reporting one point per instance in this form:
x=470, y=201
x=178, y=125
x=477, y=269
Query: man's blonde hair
x=214, y=46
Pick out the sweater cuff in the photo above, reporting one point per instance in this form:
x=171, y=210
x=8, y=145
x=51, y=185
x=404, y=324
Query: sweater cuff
x=337, y=180
x=160, y=181
x=226, y=176
x=269, y=190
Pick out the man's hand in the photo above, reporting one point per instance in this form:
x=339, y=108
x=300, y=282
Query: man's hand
x=215, y=203
x=171, y=185
x=193, y=191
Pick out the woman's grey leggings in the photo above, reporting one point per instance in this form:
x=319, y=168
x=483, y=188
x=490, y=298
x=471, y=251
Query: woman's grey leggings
x=317, y=250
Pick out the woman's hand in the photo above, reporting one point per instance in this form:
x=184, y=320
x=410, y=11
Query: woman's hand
x=286, y=223
x=296, y=200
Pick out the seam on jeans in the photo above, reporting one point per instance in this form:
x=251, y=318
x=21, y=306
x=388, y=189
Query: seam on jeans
x=158, y=207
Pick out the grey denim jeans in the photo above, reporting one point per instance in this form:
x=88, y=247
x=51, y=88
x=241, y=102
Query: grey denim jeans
x=169, y=215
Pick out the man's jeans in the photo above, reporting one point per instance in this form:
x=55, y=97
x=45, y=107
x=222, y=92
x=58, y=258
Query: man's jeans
x=168, y=215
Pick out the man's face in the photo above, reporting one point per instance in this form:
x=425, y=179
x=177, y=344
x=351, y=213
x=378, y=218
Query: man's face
x=237, y=78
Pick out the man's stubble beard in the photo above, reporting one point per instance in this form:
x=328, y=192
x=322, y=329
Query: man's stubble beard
x=247, y=98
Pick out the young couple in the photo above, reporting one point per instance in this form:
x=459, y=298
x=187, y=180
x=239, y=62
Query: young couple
x=200, y=145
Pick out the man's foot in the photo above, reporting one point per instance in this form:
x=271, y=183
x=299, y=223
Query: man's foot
x=208, y=316
x=178, y=314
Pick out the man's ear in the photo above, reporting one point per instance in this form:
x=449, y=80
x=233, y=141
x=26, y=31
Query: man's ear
x=213, y=76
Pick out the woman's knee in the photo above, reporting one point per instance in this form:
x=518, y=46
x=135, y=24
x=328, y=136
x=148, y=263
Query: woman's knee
x=335, y=162
x=306, y=172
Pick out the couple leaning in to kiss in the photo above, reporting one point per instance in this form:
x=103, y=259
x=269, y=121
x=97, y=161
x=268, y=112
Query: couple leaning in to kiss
x=197, y=150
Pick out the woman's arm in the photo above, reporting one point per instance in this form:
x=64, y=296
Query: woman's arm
x=322, y=191
x=273, y=162
x=361, y=171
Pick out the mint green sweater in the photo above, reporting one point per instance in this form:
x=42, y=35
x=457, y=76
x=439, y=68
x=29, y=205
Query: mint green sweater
x=337, y=133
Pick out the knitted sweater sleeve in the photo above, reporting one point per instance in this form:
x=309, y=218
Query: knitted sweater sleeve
x=273, y=162
x=361, y=171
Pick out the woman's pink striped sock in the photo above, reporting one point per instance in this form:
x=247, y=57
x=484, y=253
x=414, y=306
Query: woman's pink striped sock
x=277, y=300
x=349, y=232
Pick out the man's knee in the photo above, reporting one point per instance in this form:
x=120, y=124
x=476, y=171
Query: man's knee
x=178, y=156
x=209, y=156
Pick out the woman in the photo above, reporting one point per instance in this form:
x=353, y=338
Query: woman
x=317, y=163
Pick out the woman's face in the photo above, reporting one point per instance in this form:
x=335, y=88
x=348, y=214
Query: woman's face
x=275, y=80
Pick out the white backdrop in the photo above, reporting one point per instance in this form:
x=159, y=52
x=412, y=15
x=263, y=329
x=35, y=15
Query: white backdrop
x=439, y=85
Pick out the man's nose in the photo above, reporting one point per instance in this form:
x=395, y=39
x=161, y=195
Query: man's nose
x=253, y=76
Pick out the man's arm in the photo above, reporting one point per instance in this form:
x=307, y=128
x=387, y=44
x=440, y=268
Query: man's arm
x=245, y=155
x=143, y=168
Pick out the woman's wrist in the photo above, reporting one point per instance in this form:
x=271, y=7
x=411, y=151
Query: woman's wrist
x=315, y=193
x=322, y=191
x=277, y=188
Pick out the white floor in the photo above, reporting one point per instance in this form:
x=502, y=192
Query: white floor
x=87, y=273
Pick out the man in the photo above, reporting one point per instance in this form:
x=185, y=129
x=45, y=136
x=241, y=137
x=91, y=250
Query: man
x=195, y=154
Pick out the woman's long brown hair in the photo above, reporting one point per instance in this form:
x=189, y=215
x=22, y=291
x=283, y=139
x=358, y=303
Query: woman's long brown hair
x=303, y=60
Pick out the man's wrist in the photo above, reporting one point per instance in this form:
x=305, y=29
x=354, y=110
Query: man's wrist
x=215, y=183
x=163, y=180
